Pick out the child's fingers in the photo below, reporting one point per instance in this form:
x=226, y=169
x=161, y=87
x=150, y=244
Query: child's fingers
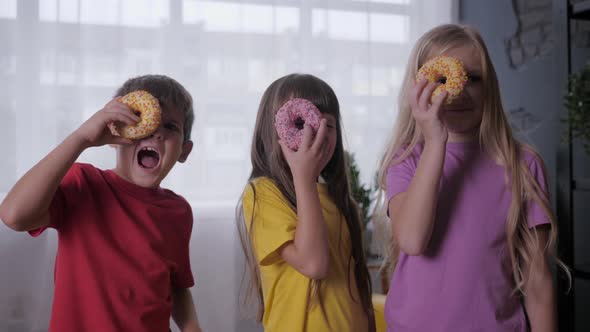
x=121, y=116
x=415, y=92
x=124, y=111
x=124, y=118
x=131, y=115
x=115, y=102
x=320, y=137
x=115, y=105
x=122, y=107
x=307, y=139
x=426, y=95
x=436, y=104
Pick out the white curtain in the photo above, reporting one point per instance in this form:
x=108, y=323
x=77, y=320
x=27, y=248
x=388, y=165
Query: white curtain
x=61, y=61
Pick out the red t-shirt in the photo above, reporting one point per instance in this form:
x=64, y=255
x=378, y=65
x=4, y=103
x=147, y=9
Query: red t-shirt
x=121, y=248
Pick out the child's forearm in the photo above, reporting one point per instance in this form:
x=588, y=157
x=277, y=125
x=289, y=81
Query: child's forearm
x=539, y=289
x=311, y=239
x=309, y=252
x=183, y=311
x=414, y=211
x=540, y=305
x=26, y=205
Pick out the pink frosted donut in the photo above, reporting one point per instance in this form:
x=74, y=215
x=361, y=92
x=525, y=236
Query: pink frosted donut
x=290, y=118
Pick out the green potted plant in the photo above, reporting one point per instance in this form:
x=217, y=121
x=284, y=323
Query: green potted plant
x=577, y=103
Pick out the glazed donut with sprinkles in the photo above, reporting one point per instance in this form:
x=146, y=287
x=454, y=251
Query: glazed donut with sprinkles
x=444, y=67
x=147, y=107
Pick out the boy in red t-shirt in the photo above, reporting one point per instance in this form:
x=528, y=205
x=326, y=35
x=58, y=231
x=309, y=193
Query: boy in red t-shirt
x=123, y=250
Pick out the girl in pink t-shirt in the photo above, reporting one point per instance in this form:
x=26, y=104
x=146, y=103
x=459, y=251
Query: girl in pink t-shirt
x=473, y=235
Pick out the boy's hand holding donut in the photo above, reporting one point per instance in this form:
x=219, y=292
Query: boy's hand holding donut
x=428, y=116
x=312, y=156
x=96, y=130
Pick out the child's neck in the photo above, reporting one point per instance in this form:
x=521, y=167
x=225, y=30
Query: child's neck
x=463, y=137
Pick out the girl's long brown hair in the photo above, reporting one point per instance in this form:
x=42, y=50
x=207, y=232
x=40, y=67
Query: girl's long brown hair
x=495, y=135
x=268, y=161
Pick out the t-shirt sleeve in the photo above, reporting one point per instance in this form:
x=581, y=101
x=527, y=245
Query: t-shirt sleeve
x=535, y=214
x=67, y=194
x=399, y=175
x=182, y=275
x=270, y=222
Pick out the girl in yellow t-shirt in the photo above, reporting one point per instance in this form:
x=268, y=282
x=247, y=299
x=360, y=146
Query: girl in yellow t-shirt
x=299, y=226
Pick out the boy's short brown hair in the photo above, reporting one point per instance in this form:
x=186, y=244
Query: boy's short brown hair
x=170, y=93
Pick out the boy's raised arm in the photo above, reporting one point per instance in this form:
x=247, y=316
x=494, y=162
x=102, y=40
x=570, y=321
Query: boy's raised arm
x=26, y=207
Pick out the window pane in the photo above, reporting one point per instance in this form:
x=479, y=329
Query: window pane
x=214, y=16
x=105, y=12
x=8, y=9
x=339, y=24
x=240, y=18
x=145, y=13
x=48, y=10
x=389, y=28
x=287, y=19
x=68, y=11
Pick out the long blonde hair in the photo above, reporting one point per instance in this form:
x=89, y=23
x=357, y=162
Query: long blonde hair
x=495, y=136
x=268, y=161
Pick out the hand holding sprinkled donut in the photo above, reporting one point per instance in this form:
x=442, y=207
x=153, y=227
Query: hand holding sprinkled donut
x=426, y=95
x=147, y=107
x=448, y=68
x=96, y=130
x=428, y=116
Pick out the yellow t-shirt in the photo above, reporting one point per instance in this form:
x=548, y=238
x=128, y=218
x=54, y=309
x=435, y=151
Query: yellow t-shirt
x=287, y=292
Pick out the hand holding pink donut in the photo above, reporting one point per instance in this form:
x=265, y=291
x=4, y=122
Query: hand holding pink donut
x=312, y=156
x=291, y=117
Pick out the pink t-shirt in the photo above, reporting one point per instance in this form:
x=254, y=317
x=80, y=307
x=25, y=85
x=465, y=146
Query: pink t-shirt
x=121, y=248
x=463, y=282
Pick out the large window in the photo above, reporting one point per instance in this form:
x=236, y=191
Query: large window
x=63, y=59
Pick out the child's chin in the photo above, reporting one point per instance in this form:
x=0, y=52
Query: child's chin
x=461, y=127
x=146, y=179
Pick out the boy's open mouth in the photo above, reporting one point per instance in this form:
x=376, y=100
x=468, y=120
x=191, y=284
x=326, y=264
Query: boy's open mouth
x=148, y=157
